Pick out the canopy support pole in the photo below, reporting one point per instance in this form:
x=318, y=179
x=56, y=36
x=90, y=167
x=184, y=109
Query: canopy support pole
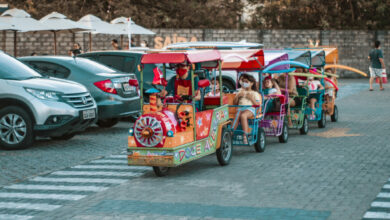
x=55, y=42
x=90, y=41
x=73, y=38
x=193, y=98
x=220, y=83
x=138, y=40
x=15, y=49
x=4, y=39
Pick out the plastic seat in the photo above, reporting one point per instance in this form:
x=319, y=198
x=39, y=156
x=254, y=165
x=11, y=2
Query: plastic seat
x=215, y=100
x=203, y=83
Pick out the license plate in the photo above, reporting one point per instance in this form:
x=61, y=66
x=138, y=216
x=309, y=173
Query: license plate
x=128, y=88
x=89, y=114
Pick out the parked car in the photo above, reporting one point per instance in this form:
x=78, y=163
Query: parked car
x=114, y=96
x=127, y=61
x=32, y=105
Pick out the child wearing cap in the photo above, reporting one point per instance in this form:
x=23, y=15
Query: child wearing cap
x=181, y=84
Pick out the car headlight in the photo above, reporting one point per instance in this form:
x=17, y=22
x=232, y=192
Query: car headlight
x=44, y=94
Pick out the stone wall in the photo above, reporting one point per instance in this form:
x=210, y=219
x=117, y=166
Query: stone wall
x=353, y=45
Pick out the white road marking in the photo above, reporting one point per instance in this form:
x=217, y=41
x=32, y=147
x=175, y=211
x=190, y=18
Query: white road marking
x=41, y=196
x=118, y=156
x=383, y=195
x=78, y=180
x=110, y=167
x=95, y=173
x=31, y=206
x=110, y=161
x=15, y=217
x=377, y=215
x=387, y=186
x=381, y=204
x=63, y=188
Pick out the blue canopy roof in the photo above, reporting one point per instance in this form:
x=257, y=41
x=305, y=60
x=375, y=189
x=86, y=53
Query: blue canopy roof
x=317, y=58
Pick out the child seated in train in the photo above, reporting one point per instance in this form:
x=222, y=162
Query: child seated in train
x=270, y=87
x=300, y=80
x=293, y=100
x=314, y=86
x=214, y=86
x=329, y=88
x=249, y=96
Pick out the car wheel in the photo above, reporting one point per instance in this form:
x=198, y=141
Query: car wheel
x=224, y=152
x=107, y=123
x=64, y=137
x=133, y=118
x=16, y=128
x=227, y=86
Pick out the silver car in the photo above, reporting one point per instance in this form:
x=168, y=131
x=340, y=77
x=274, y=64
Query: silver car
x=32, y=105
x=113, y=94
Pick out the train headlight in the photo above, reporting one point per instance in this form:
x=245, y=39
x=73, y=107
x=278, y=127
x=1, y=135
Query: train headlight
x=131, y=132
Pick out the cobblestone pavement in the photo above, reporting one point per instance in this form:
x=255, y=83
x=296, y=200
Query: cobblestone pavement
x=47, y=155
x=333, y=173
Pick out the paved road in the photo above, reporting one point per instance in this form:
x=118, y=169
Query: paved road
x=333, y=173
x=48, y=155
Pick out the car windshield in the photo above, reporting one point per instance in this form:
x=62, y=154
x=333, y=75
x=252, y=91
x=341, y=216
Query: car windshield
x=11, y=68
x=93, y=66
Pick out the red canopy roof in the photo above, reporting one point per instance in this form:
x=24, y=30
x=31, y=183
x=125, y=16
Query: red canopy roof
x=242, y=59
x=197, y=56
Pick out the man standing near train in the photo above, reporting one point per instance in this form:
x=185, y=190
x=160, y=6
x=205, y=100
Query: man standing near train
x=377, y=65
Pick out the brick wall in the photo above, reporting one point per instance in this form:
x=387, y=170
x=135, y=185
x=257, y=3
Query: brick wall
x=353, y=45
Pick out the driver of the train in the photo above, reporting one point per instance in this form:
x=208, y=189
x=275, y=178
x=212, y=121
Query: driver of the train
x=181, y=84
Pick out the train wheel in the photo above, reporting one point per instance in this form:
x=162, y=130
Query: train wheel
x=161, y=171
x=224, y=153
x=260, y=144
x=335, y=116
x=305, y=126
x=283, y=138
x=322, y=121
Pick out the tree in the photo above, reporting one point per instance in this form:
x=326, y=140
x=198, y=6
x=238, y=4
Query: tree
x=270, y=14
x=317, y=14
x=149, y=13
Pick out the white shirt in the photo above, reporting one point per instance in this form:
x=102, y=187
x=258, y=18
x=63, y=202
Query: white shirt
x=313, y=85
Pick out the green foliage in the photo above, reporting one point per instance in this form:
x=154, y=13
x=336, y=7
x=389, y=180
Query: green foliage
x=149, y=13
x=267, y=14
x=319, y=14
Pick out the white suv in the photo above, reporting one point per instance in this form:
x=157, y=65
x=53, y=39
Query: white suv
x=32, y=105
